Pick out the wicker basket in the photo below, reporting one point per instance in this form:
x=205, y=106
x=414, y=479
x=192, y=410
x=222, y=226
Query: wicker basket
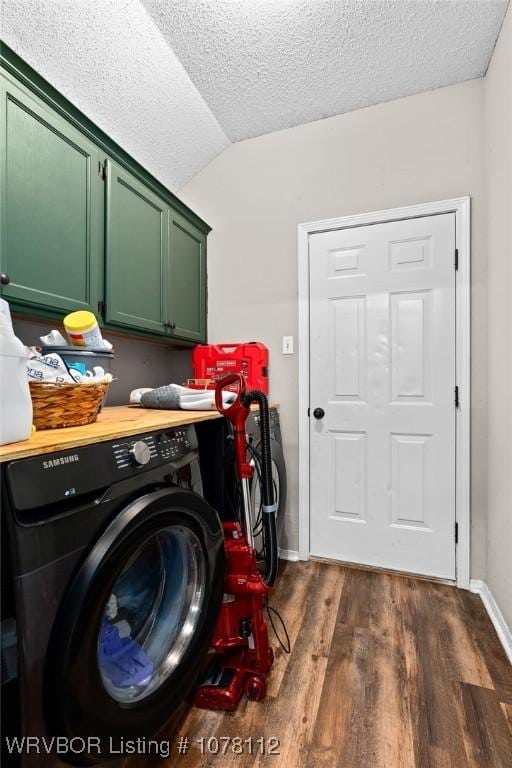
x=65, y=405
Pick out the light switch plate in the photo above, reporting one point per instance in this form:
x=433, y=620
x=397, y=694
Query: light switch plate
x=287, y=345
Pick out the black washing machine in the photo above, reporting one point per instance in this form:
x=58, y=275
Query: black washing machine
x=113, y=567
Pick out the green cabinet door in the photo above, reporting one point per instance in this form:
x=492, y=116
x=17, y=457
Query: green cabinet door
x=136, y=253
x=187, y=280
x=52, y=206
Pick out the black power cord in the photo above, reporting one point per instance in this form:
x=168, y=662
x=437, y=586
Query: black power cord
x=258, y=529
x=286, y=646
x=266, y=483
x=234, y=502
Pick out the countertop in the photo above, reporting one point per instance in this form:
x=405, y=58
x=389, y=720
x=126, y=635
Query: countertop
x=118, y=421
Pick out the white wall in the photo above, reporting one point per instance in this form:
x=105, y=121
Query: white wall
x=421, y=148
x=498, y=183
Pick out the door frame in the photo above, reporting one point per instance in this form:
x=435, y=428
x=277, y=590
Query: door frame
x=461, y=206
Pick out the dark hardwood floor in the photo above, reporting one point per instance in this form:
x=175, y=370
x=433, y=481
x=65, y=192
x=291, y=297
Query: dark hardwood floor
x=385, y=672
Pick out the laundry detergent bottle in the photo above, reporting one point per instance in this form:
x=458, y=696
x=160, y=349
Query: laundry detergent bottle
x=15, y=402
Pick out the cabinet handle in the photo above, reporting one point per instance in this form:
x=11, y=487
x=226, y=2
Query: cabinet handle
x=4, y=278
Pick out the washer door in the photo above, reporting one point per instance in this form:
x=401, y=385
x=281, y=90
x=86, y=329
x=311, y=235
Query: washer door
x=135, y=624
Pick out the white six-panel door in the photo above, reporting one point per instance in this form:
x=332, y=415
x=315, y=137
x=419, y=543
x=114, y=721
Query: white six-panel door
x=382, y=368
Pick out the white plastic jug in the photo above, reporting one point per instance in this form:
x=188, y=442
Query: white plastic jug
x=15, y=402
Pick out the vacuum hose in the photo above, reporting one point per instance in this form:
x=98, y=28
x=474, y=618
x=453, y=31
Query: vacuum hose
x=267, y=484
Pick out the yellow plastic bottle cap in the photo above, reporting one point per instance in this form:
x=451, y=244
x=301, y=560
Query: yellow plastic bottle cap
x=79, y=321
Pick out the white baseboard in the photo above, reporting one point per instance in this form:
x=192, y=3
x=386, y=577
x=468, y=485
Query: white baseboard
x=289, y=554
x=491, y=606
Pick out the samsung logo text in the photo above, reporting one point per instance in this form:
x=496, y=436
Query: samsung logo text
x=52, y=463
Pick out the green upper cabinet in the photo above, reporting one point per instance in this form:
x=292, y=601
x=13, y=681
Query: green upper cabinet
x=136, y=253
x=187, y=280
x=155, y=262
x=84, y=226
x=52, y=207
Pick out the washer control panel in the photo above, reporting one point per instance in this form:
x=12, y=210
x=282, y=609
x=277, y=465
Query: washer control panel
x=145, y=450
x=174, y=444
x=135, y=452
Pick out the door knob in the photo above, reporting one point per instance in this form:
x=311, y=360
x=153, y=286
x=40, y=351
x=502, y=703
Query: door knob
x=319, y=413
x=4, y=278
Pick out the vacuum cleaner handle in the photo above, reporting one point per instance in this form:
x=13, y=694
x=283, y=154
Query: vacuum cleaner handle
x=237, y=413
x=231, y=410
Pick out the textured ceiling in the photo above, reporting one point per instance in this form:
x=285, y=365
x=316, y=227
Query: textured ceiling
x=110, y=60
x=263, y=65
x=174, y=81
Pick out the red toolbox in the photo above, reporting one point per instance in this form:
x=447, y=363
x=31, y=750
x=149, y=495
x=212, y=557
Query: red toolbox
x=213, y=361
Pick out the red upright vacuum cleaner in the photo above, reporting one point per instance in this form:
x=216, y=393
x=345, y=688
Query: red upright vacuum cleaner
x=243, y=655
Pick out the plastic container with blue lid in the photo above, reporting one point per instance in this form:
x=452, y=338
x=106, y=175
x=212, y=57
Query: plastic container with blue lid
x=82, y=360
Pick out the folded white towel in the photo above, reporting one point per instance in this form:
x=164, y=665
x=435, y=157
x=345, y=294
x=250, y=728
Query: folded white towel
x=176, y=397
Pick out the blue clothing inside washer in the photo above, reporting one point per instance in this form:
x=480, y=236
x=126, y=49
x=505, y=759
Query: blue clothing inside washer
x=122, y=659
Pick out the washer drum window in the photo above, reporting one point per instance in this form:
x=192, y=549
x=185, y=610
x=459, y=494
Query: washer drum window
x=151, y=614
